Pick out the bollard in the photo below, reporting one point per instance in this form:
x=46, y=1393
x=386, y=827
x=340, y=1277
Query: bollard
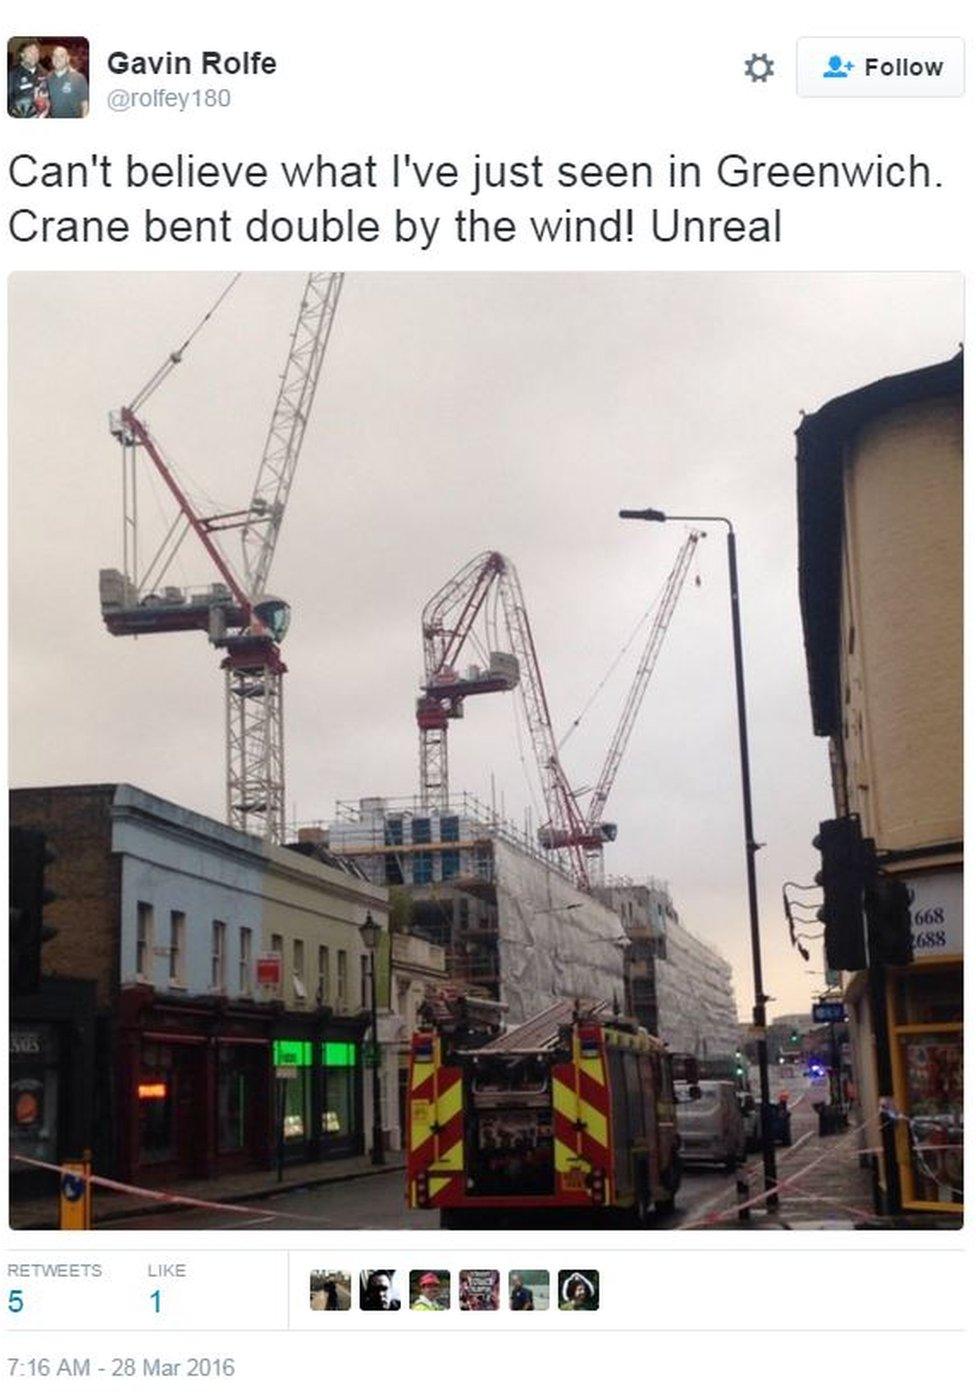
x=742, y=1194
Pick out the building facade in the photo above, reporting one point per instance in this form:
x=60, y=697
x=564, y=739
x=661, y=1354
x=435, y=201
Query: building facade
x=228, y=981
x=677, y=985
x=880, y=512
x=511, y=921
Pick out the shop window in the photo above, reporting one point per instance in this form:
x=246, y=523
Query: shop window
x=927, y=1010
x=926, y=996
x=339, y=1099
x=218, y=954
x=145, y=933
x=157, y=1137
x=177, y=947
x=244, y=963
x=231, y=1098
x=296, y=1054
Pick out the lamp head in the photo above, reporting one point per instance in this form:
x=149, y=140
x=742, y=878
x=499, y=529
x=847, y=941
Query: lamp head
x=649, y=514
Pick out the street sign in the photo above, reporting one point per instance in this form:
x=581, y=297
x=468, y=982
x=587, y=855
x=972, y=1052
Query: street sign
x=269, y=969
x=75, y=1196
x=826, y=1012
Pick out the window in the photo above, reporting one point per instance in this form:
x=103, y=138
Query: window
x=450, y=865
x=450, y=828
x=218, y=952
x=324, y=979
x=394, y=831
x=364, y=980
x=298, y=968
x=244, y=963
x=145, y=929
x=423, y=867
x=177, y=947
x=421, y=831
x=342, y=978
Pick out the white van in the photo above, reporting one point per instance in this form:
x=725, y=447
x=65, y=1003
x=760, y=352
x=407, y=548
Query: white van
x=710, y=1123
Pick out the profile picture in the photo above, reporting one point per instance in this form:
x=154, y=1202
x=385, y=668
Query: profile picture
x=579, y=1290
x=528, y=1290
x=329, y=1291
x=379, y=1291
x=430, y=1290
x=47, y=77
x=478, y=1290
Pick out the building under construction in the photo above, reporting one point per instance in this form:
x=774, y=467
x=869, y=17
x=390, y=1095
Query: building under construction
x=512, y=921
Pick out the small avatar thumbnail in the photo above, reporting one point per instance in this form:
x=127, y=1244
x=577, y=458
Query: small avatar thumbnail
x=379, y=1290
x=478, y=1290
x=528, y=1290
x=329, y=1290
x=579, y=1290
x=430, y=1290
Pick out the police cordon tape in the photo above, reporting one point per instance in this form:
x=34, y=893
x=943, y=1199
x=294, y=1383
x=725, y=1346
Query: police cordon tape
x=781, y=1187
x=170, y=1198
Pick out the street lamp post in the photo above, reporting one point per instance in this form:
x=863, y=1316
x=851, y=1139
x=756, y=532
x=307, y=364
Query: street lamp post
x=759, y=1010
x=369, y=933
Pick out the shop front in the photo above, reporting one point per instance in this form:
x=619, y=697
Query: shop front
x=194, y=1087
x=319, y=1079
x=53, y=1088
x=925, y=1031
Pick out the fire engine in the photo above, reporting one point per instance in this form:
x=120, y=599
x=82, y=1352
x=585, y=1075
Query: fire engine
x=574, y=1111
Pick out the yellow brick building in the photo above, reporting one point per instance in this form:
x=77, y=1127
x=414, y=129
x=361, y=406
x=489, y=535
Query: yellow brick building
x=880, y=514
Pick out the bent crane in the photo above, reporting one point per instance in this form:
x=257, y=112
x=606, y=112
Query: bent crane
x=237, y=614
x=447, y=622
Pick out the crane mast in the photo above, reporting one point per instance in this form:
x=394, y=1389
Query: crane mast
x=235, y=612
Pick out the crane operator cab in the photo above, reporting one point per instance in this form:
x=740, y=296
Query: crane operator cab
x=274, y=614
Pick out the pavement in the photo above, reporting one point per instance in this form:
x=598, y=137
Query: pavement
x=823, y=1184
x=236, y=1188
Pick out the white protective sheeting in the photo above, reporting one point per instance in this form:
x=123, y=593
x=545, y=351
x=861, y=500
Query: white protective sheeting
x=548, y=950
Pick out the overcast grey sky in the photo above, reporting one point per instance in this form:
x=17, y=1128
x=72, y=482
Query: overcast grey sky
x=459, y=413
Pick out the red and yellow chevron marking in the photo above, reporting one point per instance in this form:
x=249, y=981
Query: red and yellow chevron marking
x=581, y=1117
x=435, y=1148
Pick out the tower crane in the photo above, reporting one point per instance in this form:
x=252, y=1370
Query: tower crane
x=447, y=622
x=237, y=613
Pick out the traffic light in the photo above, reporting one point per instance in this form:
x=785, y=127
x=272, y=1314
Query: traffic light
x=741, y=1069
x=30, y=855
x=888, y=907
x=847, y=868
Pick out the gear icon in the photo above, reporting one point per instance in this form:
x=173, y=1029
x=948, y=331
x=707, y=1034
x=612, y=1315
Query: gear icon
x=759, y=67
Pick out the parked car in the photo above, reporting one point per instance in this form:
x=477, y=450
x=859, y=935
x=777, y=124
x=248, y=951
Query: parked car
x=710, y=1123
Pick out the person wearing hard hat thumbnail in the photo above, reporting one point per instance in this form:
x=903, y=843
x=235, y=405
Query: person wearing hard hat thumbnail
x=428, y=1299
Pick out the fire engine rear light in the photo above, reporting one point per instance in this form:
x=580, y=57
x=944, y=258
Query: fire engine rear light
x=597, y=1180
x=423, y=1194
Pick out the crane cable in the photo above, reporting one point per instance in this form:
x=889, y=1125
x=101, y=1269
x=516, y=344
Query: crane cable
x=175, y=356
x=612, y=667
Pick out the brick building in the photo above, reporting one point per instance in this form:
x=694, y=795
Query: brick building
x=163, y=915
